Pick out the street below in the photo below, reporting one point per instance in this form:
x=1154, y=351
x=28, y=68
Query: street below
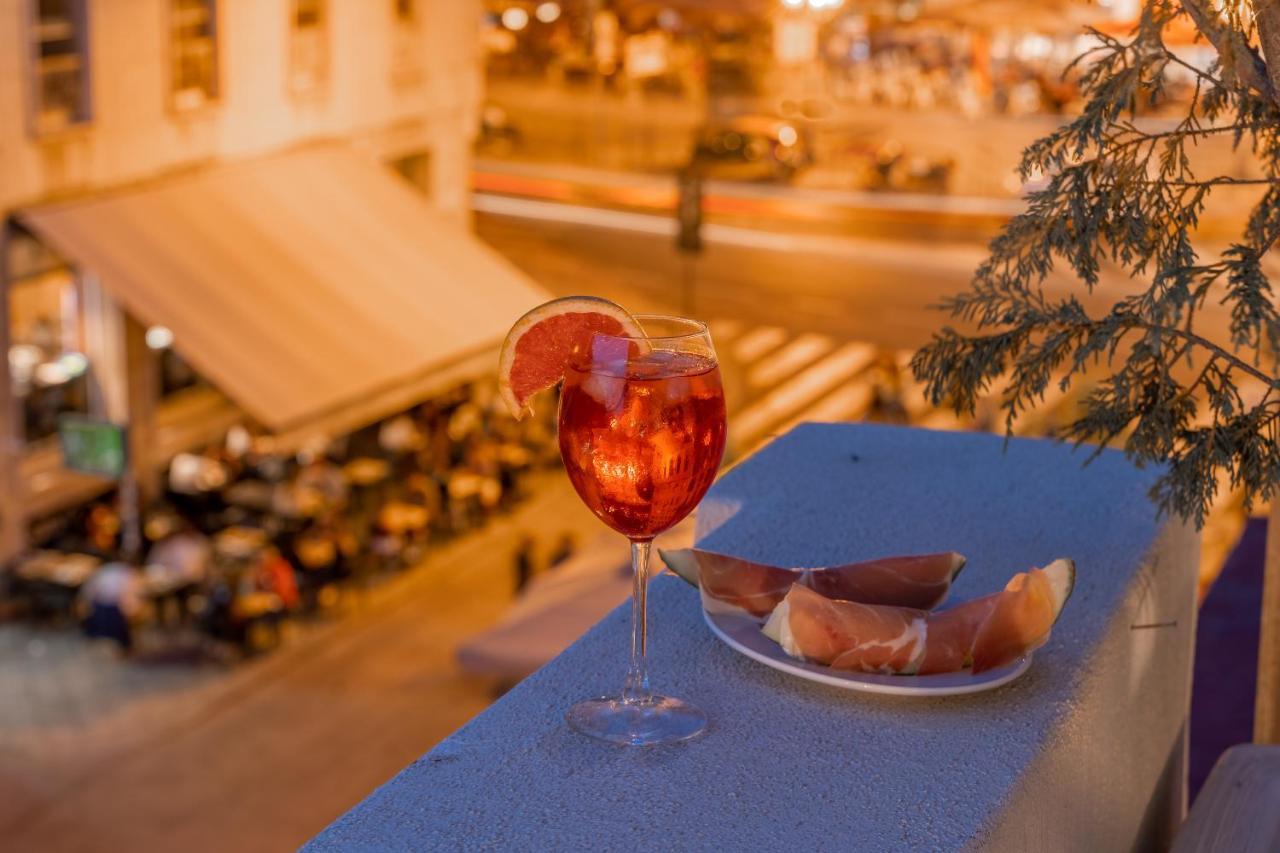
x=100, y=755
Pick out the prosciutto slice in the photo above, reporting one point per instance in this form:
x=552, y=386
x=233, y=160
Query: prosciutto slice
x=849, y=635
x=920, y=581
x=985, y=633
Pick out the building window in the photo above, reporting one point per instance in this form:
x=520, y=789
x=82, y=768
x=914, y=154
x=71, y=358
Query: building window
x=406, y=11
x=60, y=61
x=416, y=169
x=48, y=372
x=309, y=46
x=193, y=35
x=406, y=45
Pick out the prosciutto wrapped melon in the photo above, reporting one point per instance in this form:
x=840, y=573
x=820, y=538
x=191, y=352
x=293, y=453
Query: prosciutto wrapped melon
x=981, y=634
x=920, y=581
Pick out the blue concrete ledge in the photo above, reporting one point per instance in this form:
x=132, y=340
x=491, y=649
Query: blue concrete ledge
x=1077, y=754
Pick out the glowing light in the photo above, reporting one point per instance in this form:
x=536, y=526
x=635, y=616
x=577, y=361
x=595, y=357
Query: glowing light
x=1034, y=46
x=239, y=441
x=74, y=363
x=159, y=337
x=1121, y=10
x=547, y=13
x=515, y=18
x=793, y=4
x=787, y=135
x=52, y=373
x=23, y=358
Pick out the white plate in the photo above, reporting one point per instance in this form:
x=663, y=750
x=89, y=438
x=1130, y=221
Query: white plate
x=742, y=633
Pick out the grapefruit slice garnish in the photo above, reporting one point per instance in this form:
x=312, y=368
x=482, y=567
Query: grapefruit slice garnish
x=536, y=352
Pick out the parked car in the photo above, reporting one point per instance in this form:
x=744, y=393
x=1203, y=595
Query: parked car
x=751, y=148
x=497, y=134
x=895, y=169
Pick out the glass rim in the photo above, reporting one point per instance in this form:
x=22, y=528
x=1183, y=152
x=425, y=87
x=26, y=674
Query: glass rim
x=698, y=328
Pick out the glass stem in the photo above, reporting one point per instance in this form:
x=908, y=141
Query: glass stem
x=636, y=688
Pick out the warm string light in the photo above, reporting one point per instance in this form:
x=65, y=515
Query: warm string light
x=515, y=19
x=816, y=5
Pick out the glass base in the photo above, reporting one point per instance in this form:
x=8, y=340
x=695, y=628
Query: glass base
x=650, y=722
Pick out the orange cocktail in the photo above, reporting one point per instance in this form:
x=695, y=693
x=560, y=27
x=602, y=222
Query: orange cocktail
x=642, y=437
x=642, y=430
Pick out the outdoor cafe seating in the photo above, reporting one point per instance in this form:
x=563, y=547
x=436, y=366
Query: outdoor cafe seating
x=283, y=536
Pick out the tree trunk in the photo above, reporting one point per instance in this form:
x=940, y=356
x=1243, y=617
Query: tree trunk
x=1267, y=17
x=1266, y=714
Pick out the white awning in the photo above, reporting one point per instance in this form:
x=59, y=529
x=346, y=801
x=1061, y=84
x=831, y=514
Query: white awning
x=300, y=283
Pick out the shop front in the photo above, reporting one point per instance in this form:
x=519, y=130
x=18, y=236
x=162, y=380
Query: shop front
x=306, y=293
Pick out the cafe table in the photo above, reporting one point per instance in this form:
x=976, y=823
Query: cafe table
x=60, y=568
x=1085, y=751
x=239, y=542
x=366, y=471
x=51, y=580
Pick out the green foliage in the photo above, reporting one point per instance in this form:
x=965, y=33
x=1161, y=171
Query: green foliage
x=1119, y=192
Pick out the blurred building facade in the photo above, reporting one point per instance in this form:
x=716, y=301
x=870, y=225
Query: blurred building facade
x=115, y=91
x=104, y=96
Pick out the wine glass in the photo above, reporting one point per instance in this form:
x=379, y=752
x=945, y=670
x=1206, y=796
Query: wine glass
x=642, y=432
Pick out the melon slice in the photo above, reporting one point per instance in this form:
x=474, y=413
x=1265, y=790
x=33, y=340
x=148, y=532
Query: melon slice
x=985, y=633
x=920, y=581
x=1023, y=614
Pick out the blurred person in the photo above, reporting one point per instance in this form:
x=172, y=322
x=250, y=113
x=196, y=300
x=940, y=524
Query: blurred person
x=424, y=490
x=522, y=562
x=115, y=598
x=318, y=558
x=490, y=494
x=399, y=435
x=321, y=475
x=274, y=574
x=387, y=544
x=438, y=451
x=293, y=501
x=180, y=562
x=513, y=460
x=465, y=420
x=442, y=515
x=565, y=547
x=887, y=405
x=184, y=554
x=1055, y=94
x=463, y=490
x=102, y=529
x=482, y=458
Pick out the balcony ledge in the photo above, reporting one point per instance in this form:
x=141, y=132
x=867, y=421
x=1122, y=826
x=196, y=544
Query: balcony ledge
x=1083, y=751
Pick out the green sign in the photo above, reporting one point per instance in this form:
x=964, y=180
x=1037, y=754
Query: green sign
x=92, y=446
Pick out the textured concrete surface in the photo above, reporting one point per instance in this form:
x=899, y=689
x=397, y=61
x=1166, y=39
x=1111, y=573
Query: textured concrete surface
x=1073, y=756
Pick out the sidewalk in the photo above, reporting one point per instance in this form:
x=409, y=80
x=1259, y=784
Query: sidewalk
x=101, y=755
